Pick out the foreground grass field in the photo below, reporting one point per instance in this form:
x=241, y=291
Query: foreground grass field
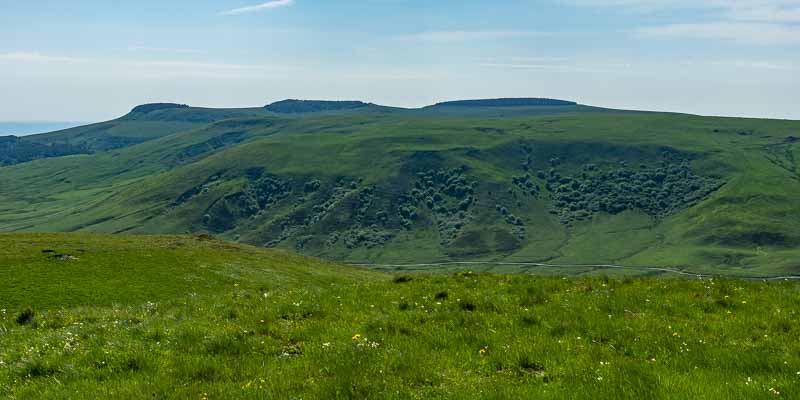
x=210, y=320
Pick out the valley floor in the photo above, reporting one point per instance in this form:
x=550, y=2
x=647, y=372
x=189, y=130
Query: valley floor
x=228, y=321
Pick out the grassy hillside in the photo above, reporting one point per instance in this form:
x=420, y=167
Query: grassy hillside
x=143, y=123
x=55, y=271
x=199, y=318
x=556, y=184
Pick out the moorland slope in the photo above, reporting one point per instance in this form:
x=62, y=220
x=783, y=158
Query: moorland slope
x=511, y=180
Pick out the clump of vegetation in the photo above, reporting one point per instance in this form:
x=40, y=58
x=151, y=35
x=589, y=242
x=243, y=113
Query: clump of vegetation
x=257, y=195
x=517, y=224
x=402, y=279
x=448, y=195
x=368, y=228
x=312, y=186
x=25, y=316
x=408, y=211
x=365, y=200
x=658, y=191
x=343, y=188
x=343, y=196
x=367, y=237
x=527, y=186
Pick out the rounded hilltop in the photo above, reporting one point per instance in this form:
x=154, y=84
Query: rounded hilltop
x=507, y=102
x=148, y=108
x=292, y=106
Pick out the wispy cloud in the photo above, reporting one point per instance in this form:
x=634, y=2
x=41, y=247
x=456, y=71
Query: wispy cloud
x=639, y=67
x=740, y=10
x=740, y=32
x=539, y=59
x=463, y=36
x=752, y=22
x=153, y=49
x=150, y=69
x=761, y=65
x=556, y=64
x=36, y=57
x=767, y=11
x=258, y=7
x=544, y=67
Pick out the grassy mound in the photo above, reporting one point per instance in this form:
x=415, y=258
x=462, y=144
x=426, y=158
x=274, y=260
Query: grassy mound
x=57, y=271
x=269, y=325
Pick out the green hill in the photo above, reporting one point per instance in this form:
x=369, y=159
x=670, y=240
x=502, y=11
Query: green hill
x=519, y=181
x=306, y=106
x=521, y=102
x=134, y=317
x=143, y=123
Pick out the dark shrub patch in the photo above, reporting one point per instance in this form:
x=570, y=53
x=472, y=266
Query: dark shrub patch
x=229, y=345
x=529, y=366
x=530, y=320
x=25, y=316
x=134, y=363
x=467, y=306
x=232, y=314
x=441, y=296
x=39, y=369
x=784, y=326
x=205, y=372
x=402, y=279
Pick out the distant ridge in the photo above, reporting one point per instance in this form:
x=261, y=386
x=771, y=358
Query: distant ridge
x=148, y=108
x=292, y=106
x=507, y=102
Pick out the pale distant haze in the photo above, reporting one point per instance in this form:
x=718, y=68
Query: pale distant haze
x=32, y=127
x=94, y=60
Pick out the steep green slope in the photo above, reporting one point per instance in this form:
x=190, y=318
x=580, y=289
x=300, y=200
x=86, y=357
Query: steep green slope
x=711, y=195
x=133, y=317
x=143, y=123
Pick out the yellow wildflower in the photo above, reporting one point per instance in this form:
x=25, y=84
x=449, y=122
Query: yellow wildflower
x=356, y=337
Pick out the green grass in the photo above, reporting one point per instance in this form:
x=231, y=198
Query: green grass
x=257, y=324
x=52, y=271
x=739, y=230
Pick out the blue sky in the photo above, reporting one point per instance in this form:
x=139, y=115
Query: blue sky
x=94, y=60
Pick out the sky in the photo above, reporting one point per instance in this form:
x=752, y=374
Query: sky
x=92, y=60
